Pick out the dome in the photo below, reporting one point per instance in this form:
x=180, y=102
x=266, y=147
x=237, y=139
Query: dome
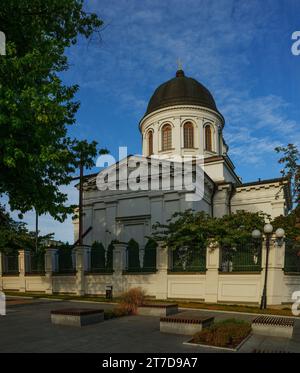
x=181, y=90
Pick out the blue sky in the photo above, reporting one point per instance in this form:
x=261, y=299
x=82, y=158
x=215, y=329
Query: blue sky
x=240, y=50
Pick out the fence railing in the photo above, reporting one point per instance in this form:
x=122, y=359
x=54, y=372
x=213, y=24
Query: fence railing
x=148, y=262
x=10, y=264
x=292, y=256
x=149, y=259
x=66, y=261
x=188, y=260
x=243, y=257
x=101, y=261
x=36, y=263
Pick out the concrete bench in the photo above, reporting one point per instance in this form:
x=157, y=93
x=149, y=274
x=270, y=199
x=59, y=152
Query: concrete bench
x=77, y=316
x=273, y=326
x=184, y=323
x=158, y=309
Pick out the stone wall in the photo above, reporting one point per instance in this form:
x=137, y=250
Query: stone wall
x=209, y=286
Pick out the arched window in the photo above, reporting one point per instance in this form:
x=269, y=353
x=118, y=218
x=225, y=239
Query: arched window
x=150, y=143
x=166, y=137
x=208, y=138
x=188, y=135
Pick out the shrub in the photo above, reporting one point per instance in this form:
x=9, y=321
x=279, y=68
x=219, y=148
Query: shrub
x=131, y=300
x=227, y=333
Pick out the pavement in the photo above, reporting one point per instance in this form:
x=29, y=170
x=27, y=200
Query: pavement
x=27, y=328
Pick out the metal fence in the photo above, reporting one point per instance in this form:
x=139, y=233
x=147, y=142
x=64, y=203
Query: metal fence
x=243, y=257
x=10, y=263
x=101, y=260
x=133, y=259
x=66, y=261
x=36, y=263
x=292, y=256
x=187, y=259
x=149, y=260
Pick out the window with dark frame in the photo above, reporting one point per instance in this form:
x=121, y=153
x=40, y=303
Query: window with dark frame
x=208, y=138
x=150, y=143
x=166, y=137
x=188, y=135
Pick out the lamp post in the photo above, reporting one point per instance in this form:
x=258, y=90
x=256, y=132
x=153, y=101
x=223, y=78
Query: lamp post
x=268, y=229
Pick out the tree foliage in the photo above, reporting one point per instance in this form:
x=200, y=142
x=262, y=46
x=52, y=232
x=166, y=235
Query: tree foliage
x=133, y=255
x=197, y=229
x=289, y=223
x=15, y=235
x=291, y=168
x=98, y=256
x=36, y=108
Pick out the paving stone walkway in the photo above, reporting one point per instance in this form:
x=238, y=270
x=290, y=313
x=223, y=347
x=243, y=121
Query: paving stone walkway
x=27, y=328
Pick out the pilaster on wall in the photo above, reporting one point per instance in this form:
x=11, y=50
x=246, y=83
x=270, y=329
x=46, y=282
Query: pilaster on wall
x=23, y=267
x=212, y=272
x=50, y=267
x=119, y=263
x=162, y=264
x=221, y=200
x=81, y=255
x=275, y=285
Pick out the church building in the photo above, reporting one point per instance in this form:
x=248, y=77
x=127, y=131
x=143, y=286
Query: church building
x=181, y=120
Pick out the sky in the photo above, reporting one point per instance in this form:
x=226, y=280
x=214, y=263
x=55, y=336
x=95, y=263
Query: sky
x=240, y=50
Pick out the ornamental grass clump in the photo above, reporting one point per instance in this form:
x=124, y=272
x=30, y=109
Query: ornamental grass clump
x=228, y=333
x=131, y=300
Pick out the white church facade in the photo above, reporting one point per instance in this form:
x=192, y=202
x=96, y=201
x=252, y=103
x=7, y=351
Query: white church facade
x=181, y=120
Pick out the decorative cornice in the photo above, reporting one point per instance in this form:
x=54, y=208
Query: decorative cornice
x=181, y=107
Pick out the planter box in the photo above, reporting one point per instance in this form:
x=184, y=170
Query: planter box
x=158, y=309
x=273, y=326
x=184, y=323
x=77, y=316
x=234, y=349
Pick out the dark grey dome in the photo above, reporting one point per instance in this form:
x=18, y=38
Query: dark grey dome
x=181, y=90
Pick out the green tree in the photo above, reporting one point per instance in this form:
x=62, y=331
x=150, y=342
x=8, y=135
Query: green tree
x=97, y=257
x=289, y=223
x=291, y=168
x=15, y=235
x=37, y=155
x=109, y=257
x=133, y=256
x=149, y=262
x=197, y=229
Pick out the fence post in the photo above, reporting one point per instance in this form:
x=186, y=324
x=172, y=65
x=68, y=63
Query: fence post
x=81, y=254
x=275, y=271
x=50, y=267
x=119, y=264
x=23, y=260
x=162, y=264
x=212, y=272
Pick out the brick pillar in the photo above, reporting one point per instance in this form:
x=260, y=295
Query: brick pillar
x=50, y=267
x=162, y=264
x=81, y=255
x=119, y=265
x=212, y=272
x=275, y=271
x=23, y=260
